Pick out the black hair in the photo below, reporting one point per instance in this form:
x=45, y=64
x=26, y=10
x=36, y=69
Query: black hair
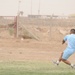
x=72, y=31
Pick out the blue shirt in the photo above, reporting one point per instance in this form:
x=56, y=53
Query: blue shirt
x=70, y=41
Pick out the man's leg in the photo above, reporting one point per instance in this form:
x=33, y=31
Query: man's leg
x=64, y=60
x=68, y=62
x=59, y=60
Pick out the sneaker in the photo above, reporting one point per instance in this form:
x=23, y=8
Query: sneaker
x=73, y=66
x=55, y=62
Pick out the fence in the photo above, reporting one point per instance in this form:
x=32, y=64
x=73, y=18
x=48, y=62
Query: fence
x=39, y=28
x=45, y=28
x=7, y=26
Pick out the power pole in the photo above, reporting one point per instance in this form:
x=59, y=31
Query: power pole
x=18, y=14
x=31, y=7
x=39, y=7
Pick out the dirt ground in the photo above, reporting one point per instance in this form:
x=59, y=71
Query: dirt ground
x=12, y=49
x=21, y=50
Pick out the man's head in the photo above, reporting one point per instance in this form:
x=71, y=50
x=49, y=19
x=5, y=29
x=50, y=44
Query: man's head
x=72, y=31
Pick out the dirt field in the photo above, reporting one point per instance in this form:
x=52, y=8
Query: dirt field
x=12, y=49
x=16, y=50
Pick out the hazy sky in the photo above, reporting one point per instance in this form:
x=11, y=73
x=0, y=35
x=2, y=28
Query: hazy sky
x=47, y=7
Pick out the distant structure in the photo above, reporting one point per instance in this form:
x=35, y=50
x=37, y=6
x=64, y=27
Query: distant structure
x=48, y=16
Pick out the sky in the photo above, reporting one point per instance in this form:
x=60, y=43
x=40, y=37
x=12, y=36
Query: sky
x=35, y=7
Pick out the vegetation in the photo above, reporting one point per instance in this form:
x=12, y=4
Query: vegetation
x=34, y=68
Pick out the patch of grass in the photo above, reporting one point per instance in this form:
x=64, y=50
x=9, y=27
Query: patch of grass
x=34, y=68
x=11, y=31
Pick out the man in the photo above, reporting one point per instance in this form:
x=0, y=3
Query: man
x=70, y=39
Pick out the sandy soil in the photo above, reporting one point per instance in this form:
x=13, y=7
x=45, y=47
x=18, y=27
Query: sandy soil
x=21, y=50
x=12, y=49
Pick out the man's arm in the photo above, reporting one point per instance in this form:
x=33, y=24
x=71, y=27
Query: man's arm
x=63, y=41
